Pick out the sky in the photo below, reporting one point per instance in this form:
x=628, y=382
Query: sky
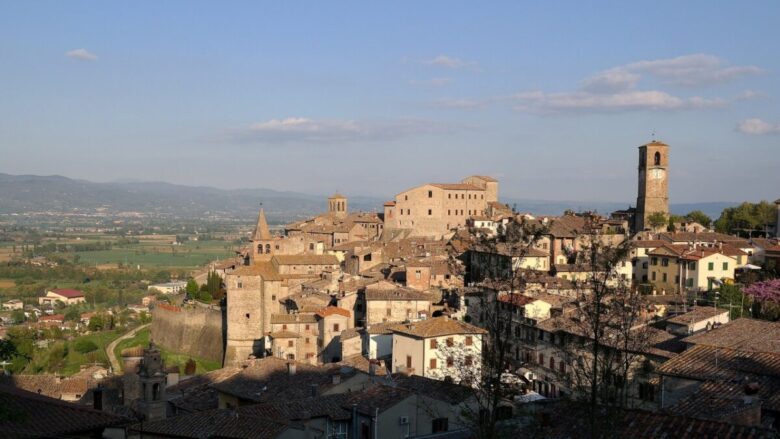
x=368, y=98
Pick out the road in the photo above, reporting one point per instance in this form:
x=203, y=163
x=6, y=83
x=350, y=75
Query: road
x=116, y=365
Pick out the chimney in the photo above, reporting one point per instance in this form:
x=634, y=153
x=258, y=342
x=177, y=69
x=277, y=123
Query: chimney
x=291, y=368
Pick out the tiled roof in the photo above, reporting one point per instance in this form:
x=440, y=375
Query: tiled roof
x=331, y=310
x=745, y=334
x=306, y=259
x=267, y=379
x=293, y=318
x=29, y=415
x=46, y=385
x=441, y=390
x=348, y=334
x=709, y=363
x=485, y=177
x=221, y=423
x=52, y=318
x=259, y=268
x=696, y=315
x=716, y=400
x=437, y=327
x=573, y=423
x=69, y=293
x=284, y=334
x=457, y=186
x=196, y=394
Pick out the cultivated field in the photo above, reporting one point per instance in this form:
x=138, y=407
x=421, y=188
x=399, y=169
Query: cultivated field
x=159, y=253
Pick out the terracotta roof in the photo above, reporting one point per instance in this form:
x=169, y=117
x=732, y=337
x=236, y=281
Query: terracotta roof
x=745, y=334
x=69, y=293
x=399, y=293
x=267, y=379
x=457, y=186
x=46, y=385
x=284, y=334
x=221, y=423
x=293, y=318
x=484, y=177
x=331, y=310
x=389, y=203
x=437, y=327
x=259, y=268
x=436, y=389
x=697, y=315
x=262, y=233
x=306, y=259
x=29, y=415
x=710, y=363
x=196, y=394
x=52, y=318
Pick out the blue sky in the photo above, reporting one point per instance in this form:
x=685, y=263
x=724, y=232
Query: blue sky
x=366, y=98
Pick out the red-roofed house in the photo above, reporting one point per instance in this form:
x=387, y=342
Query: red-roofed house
x=63, y=295
x=52, y=320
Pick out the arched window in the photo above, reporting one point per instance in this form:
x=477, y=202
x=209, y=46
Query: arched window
x=658, y=159
x=260, y=248
x=268, y=248
x=155, y=391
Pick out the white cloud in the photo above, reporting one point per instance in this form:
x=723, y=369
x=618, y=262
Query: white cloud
x=538, y=101
x=81, y=54
x=617, y=89
x=695, y=69
x=450, y=62
x=433, y=82
x=757, y=127
x=303, y=130
x=461, y=103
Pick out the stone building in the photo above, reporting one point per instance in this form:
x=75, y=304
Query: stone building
x=434, y=209
x=389, y=302
x=653, y=194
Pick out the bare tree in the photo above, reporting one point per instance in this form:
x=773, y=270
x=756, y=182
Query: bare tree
x=494, y=270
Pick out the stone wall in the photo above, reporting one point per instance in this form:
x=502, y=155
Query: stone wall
x=192, y=331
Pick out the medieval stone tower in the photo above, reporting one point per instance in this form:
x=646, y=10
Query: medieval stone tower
x=337, y=205
x=152, y=379
x=262, y=241
x=653, y=194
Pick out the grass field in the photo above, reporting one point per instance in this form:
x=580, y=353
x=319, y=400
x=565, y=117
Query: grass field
x=7, y=283
x=159, y=254
x=61, y=357
x=170, y=358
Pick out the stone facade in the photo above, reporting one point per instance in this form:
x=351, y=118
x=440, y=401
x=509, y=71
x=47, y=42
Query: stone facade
x=434, y=209
x=653, y=194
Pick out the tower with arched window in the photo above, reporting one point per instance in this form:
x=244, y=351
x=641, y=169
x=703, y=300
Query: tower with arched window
x=337, y=205
x=653, y=193
x=152, y=379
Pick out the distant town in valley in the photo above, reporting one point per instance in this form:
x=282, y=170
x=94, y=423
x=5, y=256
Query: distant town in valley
x=148, y=323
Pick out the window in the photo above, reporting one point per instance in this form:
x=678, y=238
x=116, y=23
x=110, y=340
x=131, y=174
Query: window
x=308, y=340
x=657, y=159
x=450, y=362
x=389, y=312
x=432, y=363
x=409, y=361
x=654, y=261
x=335, y=327
x=468, y=361
x=406, y=197
x=469, y=341
x=665, y=262
x=689, y=283
x=290, y=356
x=450, y=342
x=430, y=194
x=664, y=277
x=430, y=212
x=290, y=343
x=268, y=248
x=434, y=344
x=449, y=212
x=247, y=315
x=692, y=266
x=647, y=392
x=311, y=246
x=710, y=266
x=725, y=266
x=449, y=196
x=307, y=327
x=284, y=327
x=562, y=367
x=552, y=363
x=439, y=425
x=239, y=285
x=417, y=274
x=541, y=358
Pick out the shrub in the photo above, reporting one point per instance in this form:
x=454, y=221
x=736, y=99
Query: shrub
x=84, y=346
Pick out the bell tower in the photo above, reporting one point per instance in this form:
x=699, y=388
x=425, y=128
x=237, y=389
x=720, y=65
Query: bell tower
x=337, y=205
x=153, y=378
x=653, y=193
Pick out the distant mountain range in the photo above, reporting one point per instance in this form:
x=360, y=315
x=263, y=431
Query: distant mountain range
x=31, y=193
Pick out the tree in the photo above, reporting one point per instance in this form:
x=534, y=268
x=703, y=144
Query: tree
x=96, y=323
x=192, y=287
x=492, y=263
x=747, y=219
x=657, y=220
x=73, y=314
x=699, y=217
x=18, y=316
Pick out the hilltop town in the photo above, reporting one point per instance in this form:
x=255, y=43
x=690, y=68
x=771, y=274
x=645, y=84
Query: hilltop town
x=449, y=314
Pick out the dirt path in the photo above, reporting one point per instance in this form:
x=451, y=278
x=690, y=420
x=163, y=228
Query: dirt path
x=116, y=366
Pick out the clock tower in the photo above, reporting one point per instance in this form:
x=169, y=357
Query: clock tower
x=653, y=194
